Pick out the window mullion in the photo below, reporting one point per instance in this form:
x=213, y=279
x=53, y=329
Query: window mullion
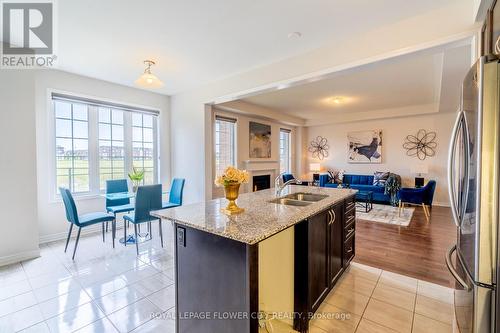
x=127, y=141
x=94, y=177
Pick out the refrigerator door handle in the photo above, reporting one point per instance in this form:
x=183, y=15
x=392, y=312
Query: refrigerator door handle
x=452, y=270
x=451, y=161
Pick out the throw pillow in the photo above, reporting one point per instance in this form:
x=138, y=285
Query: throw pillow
x=336, y=177
x=379, y=178
x=333, y=175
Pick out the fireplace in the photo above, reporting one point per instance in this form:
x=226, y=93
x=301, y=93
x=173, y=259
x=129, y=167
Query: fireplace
x=261, y=182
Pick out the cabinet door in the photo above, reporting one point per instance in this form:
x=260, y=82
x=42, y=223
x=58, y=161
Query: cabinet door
x=318, y=259
x=335, y=243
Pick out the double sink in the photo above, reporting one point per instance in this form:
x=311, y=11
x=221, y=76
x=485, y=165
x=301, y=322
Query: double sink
x=299, y=199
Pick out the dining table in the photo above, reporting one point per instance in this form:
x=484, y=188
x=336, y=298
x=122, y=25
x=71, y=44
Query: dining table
x=130, y=239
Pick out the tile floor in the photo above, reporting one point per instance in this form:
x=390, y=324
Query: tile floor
x=103, y=290
x=106, y=290
x=370, y=300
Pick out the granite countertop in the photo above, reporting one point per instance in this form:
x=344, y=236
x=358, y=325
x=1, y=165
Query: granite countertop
x=261, y=218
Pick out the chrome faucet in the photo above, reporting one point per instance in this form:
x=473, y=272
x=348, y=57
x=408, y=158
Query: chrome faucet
x=278, y=187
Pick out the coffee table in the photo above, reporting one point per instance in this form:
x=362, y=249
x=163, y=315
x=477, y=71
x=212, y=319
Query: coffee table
x=364, y=200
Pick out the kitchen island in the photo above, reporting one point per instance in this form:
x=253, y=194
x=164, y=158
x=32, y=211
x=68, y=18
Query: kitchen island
x=281, y=256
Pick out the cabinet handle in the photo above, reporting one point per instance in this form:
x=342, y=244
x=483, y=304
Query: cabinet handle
x=329, y=217
x=350, y=250
x=332, y=221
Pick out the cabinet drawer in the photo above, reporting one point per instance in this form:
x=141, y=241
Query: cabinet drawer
x=349, y=249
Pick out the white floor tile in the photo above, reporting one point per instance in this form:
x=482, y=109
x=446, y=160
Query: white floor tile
x=164, y=298
x=20, y=320
x=119, y=299
x=134, y=315
x=38, y=328
x=75, y=319
x=107, y=286
x=101, y=326
x=17, y=303
x=66, y=302
x=55, y=290
x=153, y=283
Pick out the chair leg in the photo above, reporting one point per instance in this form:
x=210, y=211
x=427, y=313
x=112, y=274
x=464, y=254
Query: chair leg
x=104, y=226
x=69, y=236
x=125, y=232
x=76, y=244
x=136, y=239
x=161, y=232
x=425, y=212
x=113, y=231
x=399, y=209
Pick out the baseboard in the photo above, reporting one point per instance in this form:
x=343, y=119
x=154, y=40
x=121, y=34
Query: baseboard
x=62, y=235
x=18, y=257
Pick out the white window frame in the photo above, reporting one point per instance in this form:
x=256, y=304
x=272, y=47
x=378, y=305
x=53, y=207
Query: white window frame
x=289, y=149
x=93, y=128
x=234, y=120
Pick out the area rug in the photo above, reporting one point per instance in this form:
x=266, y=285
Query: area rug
x=387, y=214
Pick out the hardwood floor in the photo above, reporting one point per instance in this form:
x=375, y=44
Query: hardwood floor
x=417, y=250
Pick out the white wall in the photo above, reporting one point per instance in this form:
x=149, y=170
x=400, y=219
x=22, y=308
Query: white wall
x=191, y=126
x=243, y=139
x=394, y=158
x=18, y=195
x=51, y=217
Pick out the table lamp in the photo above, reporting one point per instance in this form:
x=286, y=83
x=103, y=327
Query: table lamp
x=314, y=168
x=419, y=170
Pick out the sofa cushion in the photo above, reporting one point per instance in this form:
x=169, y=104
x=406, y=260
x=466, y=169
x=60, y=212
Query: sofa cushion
x=358, y=179
x=379, y=178
x=374, y=189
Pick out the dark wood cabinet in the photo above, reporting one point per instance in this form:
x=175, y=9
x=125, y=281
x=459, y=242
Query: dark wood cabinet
x=318, y=258
x=335, y=244
x=324, y=247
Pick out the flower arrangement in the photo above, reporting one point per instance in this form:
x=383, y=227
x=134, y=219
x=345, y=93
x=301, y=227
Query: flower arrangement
x=231, y=180
x=136, y=177
x=232, y=176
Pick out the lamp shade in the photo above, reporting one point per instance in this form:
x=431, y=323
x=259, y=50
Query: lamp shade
x=315, y=167
x=149, y=80
x=419, y=169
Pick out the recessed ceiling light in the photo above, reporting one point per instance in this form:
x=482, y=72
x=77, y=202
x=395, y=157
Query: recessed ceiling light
x=294, y=35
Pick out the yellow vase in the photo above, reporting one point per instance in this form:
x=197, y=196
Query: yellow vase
x=232, y=191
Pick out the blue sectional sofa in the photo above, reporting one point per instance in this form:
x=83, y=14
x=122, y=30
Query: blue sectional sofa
x=361, y=183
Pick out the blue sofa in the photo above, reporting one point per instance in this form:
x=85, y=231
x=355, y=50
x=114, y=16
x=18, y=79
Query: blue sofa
x=361, y=183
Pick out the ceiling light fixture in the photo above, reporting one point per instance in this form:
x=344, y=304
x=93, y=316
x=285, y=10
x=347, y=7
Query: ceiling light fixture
x=147, y=79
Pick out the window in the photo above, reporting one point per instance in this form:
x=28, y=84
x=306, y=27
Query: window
x=285, y=151
x=142, y=145
x=72, y=146
x=111, y=145
x=225, y=138
x=95, y=142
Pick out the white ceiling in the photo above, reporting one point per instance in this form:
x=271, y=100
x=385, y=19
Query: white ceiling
x=431, y=79
x=196, y=42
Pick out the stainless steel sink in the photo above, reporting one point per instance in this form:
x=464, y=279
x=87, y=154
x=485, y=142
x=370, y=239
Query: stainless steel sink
x=290, y=202
x=299, y=199
x=301, y=196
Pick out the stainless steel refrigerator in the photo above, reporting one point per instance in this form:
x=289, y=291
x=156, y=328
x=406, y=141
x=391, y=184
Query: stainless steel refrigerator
x=473, y=178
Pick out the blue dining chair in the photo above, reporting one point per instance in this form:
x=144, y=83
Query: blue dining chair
x=116, y=206
x=418, y=196
x=148, y=199
x=81, y=221
x=175, y=195
x=287, y=176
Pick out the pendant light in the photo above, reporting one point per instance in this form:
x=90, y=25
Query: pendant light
x=147, y=79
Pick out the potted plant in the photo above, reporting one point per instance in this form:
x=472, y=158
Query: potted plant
x=137, y=176
x=231, y=179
